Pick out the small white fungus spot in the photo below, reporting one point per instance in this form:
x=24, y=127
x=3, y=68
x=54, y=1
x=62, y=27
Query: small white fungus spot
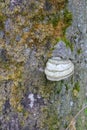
x=31, y=97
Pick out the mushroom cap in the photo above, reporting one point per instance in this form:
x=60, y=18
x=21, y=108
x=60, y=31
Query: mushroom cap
x=58, y=69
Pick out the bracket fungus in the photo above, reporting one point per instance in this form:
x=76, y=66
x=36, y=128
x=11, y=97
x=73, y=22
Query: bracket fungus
x=58, y=69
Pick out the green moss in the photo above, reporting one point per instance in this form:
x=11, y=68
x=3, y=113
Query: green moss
x=67, y=87
x=52, y=122
x=55, y=19
x=51, y=118
x=67, y=17
x=76, y=89
x=79, y=51
x=38, y=18
x=77, y=86
x=66, y=41
x=2, y=19
x=4, y=66
x=67, y=20
x=46, y=91
x=58, y=87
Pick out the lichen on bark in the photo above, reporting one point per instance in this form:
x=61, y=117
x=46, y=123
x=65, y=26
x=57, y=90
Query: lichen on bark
x=28, y=33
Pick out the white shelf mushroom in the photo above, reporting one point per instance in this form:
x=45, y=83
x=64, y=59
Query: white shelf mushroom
x=58, y=69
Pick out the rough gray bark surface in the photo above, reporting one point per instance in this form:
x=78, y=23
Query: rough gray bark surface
x=28, y=101
x=77, y=34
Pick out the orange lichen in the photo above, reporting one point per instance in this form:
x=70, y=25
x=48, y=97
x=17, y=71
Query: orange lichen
x=40, y=32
